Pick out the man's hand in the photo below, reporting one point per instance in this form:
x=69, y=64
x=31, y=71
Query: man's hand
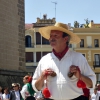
x=40, y=82
x=75, y=71
x=50, y=72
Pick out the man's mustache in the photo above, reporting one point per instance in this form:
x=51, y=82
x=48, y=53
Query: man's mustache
x=52, y=40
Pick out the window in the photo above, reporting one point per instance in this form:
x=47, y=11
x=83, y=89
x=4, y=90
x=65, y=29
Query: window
x=96, y=43
x=98, y=77
x=38, y=56
x=82, y=43
x=97, y=59
x=44, y=53
x=38, y=38
x=29, y=56
x=70, y=45
x=45, y=41
x=28, y=41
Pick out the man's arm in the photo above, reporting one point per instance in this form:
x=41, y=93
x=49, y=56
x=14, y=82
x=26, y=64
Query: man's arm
x=40, y=81
x=76, y=71
x=87, y=81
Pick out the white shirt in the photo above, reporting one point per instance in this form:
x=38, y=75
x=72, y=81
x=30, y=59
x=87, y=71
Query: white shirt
x=61, y=86
x=24, y=92
x=17, y=95
x=97, y=95
x=1, y=96
x=93, y=96
x=6, y=96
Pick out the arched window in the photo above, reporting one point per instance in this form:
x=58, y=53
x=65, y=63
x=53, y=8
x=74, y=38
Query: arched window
x=28, y=41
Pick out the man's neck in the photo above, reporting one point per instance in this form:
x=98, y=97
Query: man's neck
x=60, y=50
x=60, y=54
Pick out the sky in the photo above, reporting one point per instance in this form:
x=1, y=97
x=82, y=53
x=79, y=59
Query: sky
x=67, y=11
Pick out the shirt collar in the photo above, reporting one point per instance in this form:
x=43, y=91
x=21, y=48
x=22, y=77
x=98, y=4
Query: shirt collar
x=60, y=55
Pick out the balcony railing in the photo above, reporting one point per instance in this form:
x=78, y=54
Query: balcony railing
x=89, y=46
x=96, y=64
x=29, y=45
x=29, y=61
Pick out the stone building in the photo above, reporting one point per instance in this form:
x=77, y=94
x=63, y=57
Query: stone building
x=12, y=34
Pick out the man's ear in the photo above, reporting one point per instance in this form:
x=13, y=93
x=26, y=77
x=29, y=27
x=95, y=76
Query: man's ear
x=66, y=38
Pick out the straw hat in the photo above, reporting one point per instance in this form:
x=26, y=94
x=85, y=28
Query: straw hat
x=45, y=32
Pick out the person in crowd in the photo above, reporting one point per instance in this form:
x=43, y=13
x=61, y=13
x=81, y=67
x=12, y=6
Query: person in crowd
x=94, y=94
x=15, y=93
x=1, y=93
x=63, y=73
x=6, y=95
x=98, y=92
x=27, y=91
x=19, y=86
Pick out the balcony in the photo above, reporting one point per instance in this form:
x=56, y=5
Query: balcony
x=29, y=45
x=96, y=64
x=89, y=46
x=31, y=63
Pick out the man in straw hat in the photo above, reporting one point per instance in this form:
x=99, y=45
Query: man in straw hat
x=66, y=72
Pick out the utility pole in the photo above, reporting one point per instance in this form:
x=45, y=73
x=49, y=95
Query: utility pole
x=55, y=8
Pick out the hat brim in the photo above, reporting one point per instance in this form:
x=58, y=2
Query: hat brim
x=14, y=85
x=45, y=32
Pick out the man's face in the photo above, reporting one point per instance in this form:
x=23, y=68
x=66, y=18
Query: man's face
x=16, y=88
x=56, y=39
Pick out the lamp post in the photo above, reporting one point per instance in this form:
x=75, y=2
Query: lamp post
x=55, y=8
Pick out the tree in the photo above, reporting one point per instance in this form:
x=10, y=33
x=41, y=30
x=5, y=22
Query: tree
x=87, y=23
x=76, y=24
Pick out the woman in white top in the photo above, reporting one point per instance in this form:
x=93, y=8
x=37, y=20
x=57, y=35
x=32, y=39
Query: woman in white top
x=27, y=91
x=6, y=95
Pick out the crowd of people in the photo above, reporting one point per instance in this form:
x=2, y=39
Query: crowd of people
x=13, y=93
x=18, y=92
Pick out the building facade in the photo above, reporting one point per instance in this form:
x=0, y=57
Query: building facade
x=37, y=46
x=90, y=46
x=12, y=35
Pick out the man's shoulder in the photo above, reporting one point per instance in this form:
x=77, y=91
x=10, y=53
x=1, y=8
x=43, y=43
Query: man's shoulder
x=12, y=92
x=74, y=53
x=77, y=56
